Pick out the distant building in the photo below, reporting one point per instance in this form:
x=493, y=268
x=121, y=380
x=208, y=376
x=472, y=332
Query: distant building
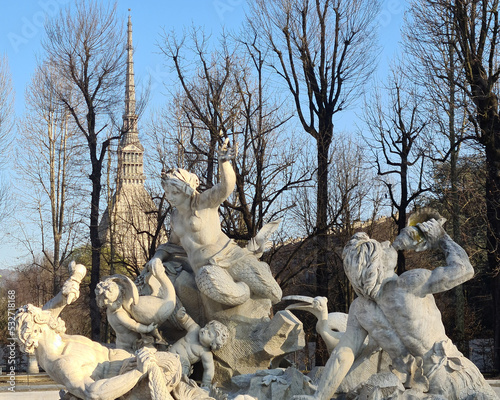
x=129, y=227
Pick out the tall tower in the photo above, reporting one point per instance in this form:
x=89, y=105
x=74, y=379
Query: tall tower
x=130, y=149
x=129, y=225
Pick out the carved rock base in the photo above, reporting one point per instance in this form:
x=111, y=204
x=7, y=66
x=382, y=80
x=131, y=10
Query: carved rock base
x=256, y=341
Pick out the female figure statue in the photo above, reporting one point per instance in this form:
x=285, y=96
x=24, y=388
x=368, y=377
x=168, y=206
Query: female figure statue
x=225, y=272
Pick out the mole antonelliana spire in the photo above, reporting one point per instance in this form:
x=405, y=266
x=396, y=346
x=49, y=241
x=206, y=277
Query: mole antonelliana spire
x=130, y=149
x=130, y=226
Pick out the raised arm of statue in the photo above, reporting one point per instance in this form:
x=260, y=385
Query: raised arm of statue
x=70, y=290
x=188, y=323
x=216, y=195
x=457, y=270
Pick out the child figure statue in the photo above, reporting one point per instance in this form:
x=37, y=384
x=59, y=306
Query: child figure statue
x=198, y=345
x=133, y=316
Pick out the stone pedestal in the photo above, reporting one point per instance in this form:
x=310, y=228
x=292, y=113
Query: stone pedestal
x=32, y=367
x=255, y=343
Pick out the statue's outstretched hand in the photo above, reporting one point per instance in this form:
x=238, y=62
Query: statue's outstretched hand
x=71, y=288
x=206, y=387
x=226, y=152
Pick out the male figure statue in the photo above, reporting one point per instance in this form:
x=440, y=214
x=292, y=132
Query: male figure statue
x=90, y=370
x=400, y=314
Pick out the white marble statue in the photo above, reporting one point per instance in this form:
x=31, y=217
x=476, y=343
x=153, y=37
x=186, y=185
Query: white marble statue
x=224, y=272
x=130, y=315
x=198, y=345
x=90, y=370
x=216, y=279
x=330, y=326
x=400, y=315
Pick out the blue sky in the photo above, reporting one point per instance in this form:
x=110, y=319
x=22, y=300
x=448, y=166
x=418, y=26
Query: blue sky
x=22, y=29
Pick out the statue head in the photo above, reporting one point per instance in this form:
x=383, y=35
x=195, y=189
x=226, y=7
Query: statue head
x=107, y=293
x=30, y=322
x=181, y=179
x=216, y=334
x=368, y=263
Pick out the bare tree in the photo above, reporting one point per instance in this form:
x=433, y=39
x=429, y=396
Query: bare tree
x=399, y=150
x=207, y=103
x=475, y=26
x=52, y=194
x=6, y=123
x=324, y=52
x=432, y=45
x=355, y=200
x=231, y=99
x=86, y=48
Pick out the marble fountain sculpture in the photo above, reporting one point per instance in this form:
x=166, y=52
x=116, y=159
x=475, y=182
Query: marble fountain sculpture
x=202, y=300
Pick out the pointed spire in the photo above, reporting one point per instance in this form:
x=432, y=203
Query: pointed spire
x=130, y=150
x=130, y=117
x=130, y=84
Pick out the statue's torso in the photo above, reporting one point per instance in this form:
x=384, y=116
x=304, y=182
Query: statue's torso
x=200, y=235
x=401, y=322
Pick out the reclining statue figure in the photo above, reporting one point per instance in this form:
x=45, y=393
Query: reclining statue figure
x=90, y=370
x=400, y=314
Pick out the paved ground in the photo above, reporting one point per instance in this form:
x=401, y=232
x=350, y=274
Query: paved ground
x=38, y=395
x=54, y=394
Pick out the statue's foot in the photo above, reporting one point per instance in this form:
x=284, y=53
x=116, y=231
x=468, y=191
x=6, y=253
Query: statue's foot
x=216, y=283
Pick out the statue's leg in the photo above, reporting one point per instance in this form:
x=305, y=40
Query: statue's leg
x=216, y=283
x=257, y=275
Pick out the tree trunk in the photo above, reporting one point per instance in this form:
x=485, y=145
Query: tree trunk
x=489, y=122
x=95, y=314
x=403, y=204
x=56, y=270
x=322, y=265
x=459, y=292
x=493, y=236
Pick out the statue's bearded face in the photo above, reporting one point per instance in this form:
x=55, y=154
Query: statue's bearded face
x=29, y=337
x=31, y=321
